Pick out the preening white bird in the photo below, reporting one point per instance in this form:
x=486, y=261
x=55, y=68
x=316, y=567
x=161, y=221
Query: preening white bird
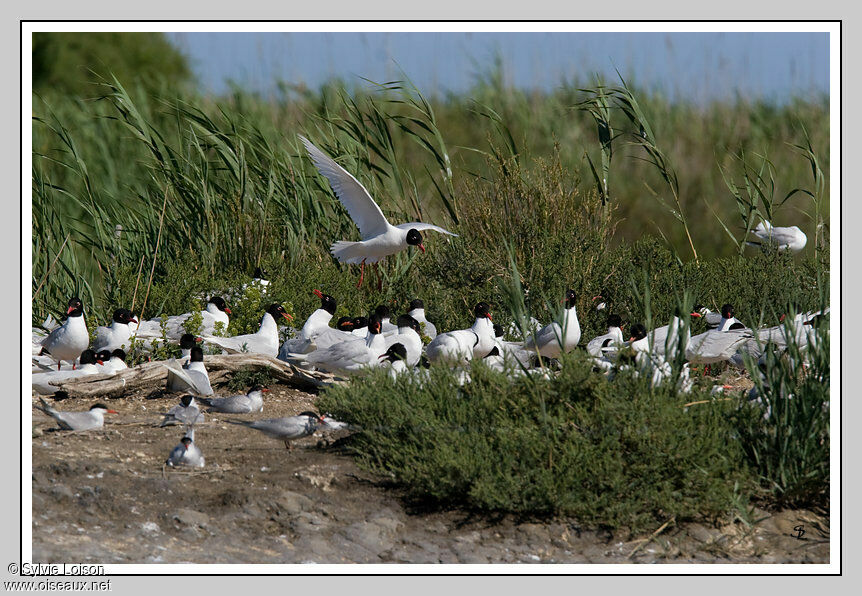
x=264, y=341
x=417, y=311
x=315, y=328
x=379, y=238
x=555, y=338
x=610, y=341
x=462, y=345
x=788, y=238
x=216, y=311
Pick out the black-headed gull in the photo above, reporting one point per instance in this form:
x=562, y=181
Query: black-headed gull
x=238, y=404
x=385, y=314
x=67, y=341
x=92, y=418
x=395, y=359
x=316, y=324
x=555, y=338
x=408, y=336
x=187, y=342
x=351, y=356
x=186, y=412
x=112, y=361
x=286, y=429
x=345, y=324
x=360, y=327
x=192, y=377
x=117, y=334
x=44, y=383
x=727, y=318
x=712, y=319
x=264, y=341
x=379, y=238
x=463, y=345
x=789, y=238
x=417, y=311
x=610, y=340
x=186, y=453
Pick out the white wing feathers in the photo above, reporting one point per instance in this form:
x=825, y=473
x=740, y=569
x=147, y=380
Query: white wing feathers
x=359, y=204
x=419, y=226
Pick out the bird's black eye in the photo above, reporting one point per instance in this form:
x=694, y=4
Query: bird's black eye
x=414, y=238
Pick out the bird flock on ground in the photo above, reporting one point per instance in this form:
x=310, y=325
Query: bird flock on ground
x=356, y=345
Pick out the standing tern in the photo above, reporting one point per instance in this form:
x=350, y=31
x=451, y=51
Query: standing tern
x=92, y=418
x=286, y=429
x=379, y=238
x=265, y=341
x=238, y=404
x=67, y=341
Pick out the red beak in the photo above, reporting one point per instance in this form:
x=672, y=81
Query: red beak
x=596, y=297
x=113, y=412
x=287, y=316
x=422, y=248
x=318, y=293
x=99, y=361
x=133, y=320
x=696, y=314
x=781, y=320
x=70, y=309
x=265, y=390
x=199, y=339
x=489, y=317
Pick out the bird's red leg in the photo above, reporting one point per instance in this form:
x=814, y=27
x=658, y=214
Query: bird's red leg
x=361, y=273
x=58, y=365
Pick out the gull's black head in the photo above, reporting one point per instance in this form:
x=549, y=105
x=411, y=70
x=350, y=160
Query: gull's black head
x=638, y=331
x=118, y=353
x=260, y=273
x=408, y=321
x=327, y=302
x=417, y=303
x=277, y=311
x=360, y=322
x=124, y=315
x=103, y=355
x=188, y=341
x=101, y=406
x=186, y=441
x=345, y=324
x=374, y=324
x=570, y=298
x=75, y=307
x=197, y=354
x=220, y=304
x=614, y=321
x=498, y=330
x=727, y=311
x=383, y=312
x=395, y=352
x=414, y=238
x=88, y=357
x=186, y=400
x=483, y=311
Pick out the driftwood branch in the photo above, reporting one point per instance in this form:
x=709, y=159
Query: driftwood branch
x=153, y=375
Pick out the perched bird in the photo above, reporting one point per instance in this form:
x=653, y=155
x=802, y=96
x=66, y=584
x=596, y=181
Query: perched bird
x=463, y=345
x=417, y=311
x=216, y=311
x=791, y=238
x=186, y=453
x=44, y=383
x=238, y=404
x=286, y=429
x=610, y=340
x=264, y=341
x=186, y=412
x=408, y=336
x=350, y=357
x=379, y=237
x=117, y=334
x=315, y=326
x=92, y=418
x=555, y=338
x=67, y=341
x=192, y=377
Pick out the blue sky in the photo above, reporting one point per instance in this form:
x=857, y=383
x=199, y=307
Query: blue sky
x=694, y=66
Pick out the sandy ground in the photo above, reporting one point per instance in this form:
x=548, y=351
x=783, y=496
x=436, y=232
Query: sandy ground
x=100, y=496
